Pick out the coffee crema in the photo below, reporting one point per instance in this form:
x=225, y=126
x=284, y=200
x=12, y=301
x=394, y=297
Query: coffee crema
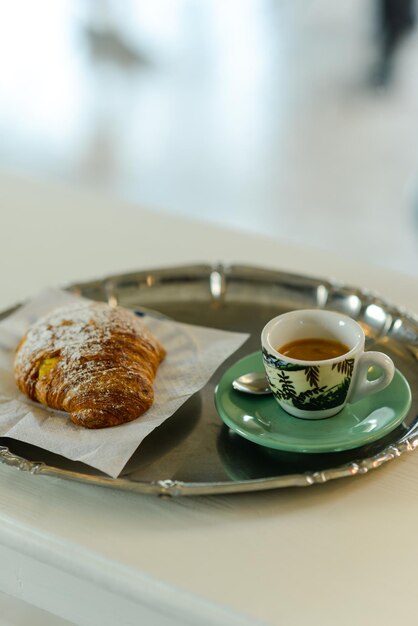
x=313, y=349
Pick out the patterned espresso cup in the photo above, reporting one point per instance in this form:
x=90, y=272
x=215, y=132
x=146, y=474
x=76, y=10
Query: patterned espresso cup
x=316, y=384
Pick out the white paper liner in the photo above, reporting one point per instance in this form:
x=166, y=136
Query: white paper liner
x=193, y=354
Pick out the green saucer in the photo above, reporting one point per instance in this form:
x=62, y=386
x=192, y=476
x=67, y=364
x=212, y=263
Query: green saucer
x=261, y=420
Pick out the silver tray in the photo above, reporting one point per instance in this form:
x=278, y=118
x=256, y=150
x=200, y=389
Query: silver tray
x=194, y=453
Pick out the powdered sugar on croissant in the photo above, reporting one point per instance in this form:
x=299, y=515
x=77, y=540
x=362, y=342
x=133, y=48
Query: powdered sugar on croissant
x=95, y=361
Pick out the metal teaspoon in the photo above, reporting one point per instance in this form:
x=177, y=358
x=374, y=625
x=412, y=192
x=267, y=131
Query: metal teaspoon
x=254, y=382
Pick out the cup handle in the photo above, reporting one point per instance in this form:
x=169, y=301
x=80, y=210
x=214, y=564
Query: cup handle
x=362, y=385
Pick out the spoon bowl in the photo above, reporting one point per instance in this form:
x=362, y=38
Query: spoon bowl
x=255, y=383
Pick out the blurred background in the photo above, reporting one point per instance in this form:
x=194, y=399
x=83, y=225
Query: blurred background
x=290, y=118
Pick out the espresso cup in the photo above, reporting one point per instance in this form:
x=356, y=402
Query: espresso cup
x=315, y=388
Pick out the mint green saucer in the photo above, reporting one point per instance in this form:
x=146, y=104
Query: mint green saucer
x=261, y=420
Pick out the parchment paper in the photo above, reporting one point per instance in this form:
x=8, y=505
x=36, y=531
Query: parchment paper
x=193, y=354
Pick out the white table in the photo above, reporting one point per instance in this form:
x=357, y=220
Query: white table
x=341, y=552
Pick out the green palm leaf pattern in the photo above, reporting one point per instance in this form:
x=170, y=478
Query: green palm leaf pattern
x=345, y=367
x=312, y=375
x=323, y=398
x=286, y=391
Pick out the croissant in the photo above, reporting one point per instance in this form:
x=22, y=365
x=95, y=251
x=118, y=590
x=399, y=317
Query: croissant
x=92, y=360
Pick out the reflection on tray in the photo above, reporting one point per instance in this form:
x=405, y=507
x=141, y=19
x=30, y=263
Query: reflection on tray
x=244, y=460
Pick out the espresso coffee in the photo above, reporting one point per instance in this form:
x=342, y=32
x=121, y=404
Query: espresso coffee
x=313, y=349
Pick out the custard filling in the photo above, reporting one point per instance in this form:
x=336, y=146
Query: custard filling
x=47, y=365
